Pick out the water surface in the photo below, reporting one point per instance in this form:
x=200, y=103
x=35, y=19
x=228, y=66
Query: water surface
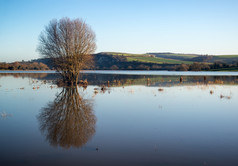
x=119, y=119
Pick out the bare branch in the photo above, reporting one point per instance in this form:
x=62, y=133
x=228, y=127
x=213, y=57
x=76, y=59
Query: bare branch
x=69, y=43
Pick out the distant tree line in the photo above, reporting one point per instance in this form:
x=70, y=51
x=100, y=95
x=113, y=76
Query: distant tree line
x=24, y=66
x=196, y=66
x=118, y=63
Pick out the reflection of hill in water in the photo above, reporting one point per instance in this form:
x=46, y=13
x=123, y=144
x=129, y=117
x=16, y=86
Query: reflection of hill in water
x=124, y=80
x=69, y=120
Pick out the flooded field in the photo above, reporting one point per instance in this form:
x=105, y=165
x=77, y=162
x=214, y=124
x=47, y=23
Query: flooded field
x=119, y=119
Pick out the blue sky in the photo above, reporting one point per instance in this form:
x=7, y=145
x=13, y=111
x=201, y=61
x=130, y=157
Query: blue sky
x=134, y=26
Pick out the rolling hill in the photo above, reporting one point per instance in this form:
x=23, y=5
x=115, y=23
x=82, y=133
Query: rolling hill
x=198, y=57
x=147, y=61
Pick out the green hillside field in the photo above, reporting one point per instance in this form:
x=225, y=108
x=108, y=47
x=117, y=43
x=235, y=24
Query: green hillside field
x=157, y=60
x=150, y=58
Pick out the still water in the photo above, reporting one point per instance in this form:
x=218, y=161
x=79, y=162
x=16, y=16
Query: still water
x=119, y=119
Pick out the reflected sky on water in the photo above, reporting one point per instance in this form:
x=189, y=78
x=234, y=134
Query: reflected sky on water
x=119, y=120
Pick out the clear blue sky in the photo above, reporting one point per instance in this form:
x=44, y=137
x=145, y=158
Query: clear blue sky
x=134, y=26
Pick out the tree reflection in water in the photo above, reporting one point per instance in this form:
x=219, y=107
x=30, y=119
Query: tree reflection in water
x=69, y=120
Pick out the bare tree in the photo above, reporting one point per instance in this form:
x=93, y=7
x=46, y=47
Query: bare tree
x=69, y=44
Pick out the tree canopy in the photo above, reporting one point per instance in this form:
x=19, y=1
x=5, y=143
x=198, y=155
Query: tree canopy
x=69, y=43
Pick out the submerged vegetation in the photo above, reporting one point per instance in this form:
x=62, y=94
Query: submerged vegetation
x=115, y=80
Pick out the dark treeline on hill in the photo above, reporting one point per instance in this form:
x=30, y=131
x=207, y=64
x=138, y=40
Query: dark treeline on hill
x=24, y=66
x=196, y=66
x=150, y=61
